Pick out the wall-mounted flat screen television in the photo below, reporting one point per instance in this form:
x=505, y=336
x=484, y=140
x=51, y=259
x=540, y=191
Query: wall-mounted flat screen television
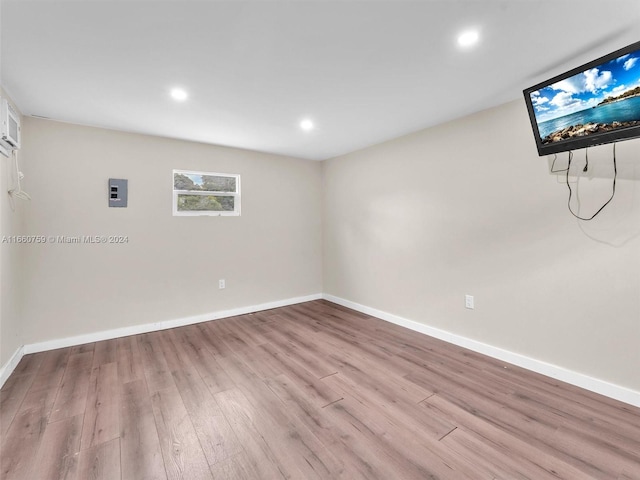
x=594, y=104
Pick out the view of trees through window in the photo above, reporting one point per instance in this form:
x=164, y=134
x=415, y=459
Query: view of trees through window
x=205, y=202
x=203, y=192
x=203, y=183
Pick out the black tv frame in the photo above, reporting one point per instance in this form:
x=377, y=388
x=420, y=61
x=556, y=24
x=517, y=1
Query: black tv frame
x=575, y=143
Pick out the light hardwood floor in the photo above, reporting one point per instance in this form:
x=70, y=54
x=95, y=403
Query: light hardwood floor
x=308, y=391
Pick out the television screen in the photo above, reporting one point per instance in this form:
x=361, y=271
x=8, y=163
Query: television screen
x=590, y=105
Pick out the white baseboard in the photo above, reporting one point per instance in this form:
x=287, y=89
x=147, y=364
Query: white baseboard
x=602, y=387
x=596, y=385
x=8, y=368
x=164, y=325
x=145, y=328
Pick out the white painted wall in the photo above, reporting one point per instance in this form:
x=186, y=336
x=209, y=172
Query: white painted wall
x=410, y=226
x=10, y=224
x=170, y=267
x=414, y=224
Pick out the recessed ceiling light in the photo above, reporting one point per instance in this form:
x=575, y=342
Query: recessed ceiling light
x=306, y=125
x=179, y=94
x=468, y=38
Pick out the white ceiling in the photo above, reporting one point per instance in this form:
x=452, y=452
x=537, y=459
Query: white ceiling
x=364, y=71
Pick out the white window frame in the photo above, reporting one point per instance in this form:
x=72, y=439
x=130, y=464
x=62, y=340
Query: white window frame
x=208, y=213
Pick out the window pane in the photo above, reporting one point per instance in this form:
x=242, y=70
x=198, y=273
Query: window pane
x=207, y=203
x=206, y=183
x=212, y=183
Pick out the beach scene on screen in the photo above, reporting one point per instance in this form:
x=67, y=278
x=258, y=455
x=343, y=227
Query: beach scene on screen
x=598, y=100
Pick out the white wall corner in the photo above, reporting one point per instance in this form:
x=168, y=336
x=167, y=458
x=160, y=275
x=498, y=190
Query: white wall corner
x=617, y=392
x=8, y=368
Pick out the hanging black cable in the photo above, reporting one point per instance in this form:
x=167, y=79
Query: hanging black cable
x=586, y=159
x=555, y=157
x=613, y=192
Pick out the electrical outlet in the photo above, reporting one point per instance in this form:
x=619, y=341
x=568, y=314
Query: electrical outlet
x=221, y=283
x=468, y=301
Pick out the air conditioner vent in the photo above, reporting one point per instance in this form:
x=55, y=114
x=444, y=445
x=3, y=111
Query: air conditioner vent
x=10, y=123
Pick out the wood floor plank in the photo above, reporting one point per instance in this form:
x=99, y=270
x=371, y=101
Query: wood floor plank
x=72, y=395
x=141, y=456
x=629, y=475
x=370, y=376
x=383, y=401
x=517, y=417
x=216, y=437
x=100, y=462
x=421, y=451
x=303, y=351
x=244, y=327
x=213, y=338
x=155, y=366
x=241, y=416
x=29, y=363
x=356, y=339
x=84, y=348
x=580, y=418
x=611, y=459
x=384, y=457
x=490, y=462
x=300, y=404
x=238, y=370
x=237, y=467
x=181, y=450
x=26, y=431
x=105, y=352
x=313, y=417
x=311, y=390
x=231, y=337
x=261, y=363
x=505, y=440
x=11, y=396
x=21, y=443
x=57, y=457
x=317, y=390
x=102, y=417
x=129, y=358
x=175, y=355
x=48, y=377
x=204, y=361
x=296, y=447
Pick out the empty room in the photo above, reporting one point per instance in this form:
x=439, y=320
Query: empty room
x=319, y=240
